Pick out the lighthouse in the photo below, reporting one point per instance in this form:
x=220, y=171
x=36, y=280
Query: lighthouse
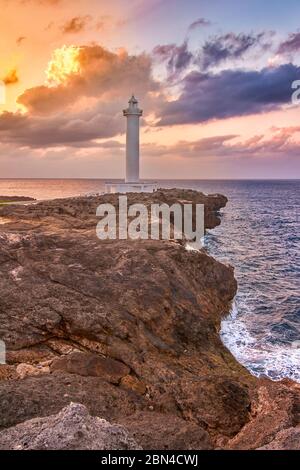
x=133, y=114
x=132, y=184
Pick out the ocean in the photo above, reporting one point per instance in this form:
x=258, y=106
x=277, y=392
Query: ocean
x=259, y=236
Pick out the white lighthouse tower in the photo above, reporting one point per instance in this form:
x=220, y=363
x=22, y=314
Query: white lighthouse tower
x=132, y=180
x=133, y=114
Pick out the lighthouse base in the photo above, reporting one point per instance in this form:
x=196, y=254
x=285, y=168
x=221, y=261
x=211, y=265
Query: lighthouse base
x=130, y=187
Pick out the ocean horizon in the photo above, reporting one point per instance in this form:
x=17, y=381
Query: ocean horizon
x=72, y=187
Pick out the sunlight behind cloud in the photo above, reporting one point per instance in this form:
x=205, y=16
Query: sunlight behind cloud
x=64, y=62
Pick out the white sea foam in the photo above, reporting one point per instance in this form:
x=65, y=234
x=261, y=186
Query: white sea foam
x=260, y=357
x=191, y=247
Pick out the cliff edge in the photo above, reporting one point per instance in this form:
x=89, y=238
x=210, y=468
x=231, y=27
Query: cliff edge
x=129, y=329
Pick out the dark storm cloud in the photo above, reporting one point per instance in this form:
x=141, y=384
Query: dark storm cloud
x=230, y=93
x=292, y=44
x=218, y=49
x=177, y=58
x=215, y=51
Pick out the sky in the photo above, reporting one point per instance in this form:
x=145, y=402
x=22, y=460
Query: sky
x=214, y=78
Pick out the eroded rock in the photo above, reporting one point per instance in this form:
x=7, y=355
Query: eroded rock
x=87, y=364
x=25, y=370
x=288, y=439
x=157, y=431
x=274, y=407
x=71, y=429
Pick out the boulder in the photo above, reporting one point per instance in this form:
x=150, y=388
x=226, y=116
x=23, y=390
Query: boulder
x=288, y=439
x=88, y=364
x=73, y=428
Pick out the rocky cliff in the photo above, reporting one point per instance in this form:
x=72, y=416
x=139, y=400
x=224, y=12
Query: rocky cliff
x=130, y=329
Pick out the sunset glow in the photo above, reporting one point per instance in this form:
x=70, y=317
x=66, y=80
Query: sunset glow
x=219, y=85
x=63, y=63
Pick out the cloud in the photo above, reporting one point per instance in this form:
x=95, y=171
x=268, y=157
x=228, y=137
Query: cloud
x=84, y=108
x=20, y=40
x=292, y=44
x=77, y=129
x=103, y=75
x=177, y=58
x=281, y=144
x=219, y=49
x=199, y=23
x=203, y=147
x=76, y=25
x=11, y=78
x=86, y=105
x=228, y=94
x=215, y=51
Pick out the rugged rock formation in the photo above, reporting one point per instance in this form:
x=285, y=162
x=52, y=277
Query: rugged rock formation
x=71, y=429
x=288, y=439
x=130, y=329
x=274, y=407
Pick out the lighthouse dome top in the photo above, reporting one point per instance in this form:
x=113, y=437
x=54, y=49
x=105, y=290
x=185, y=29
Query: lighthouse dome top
x=133, y=108
x=133, y=100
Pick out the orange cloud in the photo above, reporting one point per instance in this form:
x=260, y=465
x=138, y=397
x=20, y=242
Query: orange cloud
x=20, y=40
x=99, y=74
x=11, y=78
x=82, y=102
x=76, y=25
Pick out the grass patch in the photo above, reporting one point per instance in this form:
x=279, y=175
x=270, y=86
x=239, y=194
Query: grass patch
x=4, y=202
